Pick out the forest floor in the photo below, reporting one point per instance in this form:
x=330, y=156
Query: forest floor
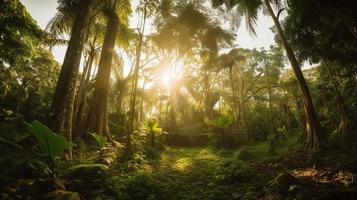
x=250, y=173
x=204, y=173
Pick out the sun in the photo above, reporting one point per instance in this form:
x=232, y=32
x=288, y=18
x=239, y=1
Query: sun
x=165, y=79
x=173, y=72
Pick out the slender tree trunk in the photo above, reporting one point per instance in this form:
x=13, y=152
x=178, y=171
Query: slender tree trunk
x=98, y=105
x=272, y=128
x=312, y=123
x=241, y=115
x=82, y=89
x=62, y=105
x=341, y=104
x=134, y=86
x=142, y=115
x=233, y=94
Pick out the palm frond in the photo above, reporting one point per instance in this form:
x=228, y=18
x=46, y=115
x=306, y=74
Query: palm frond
x=250, y=10
x=51, y=41
x=61, y=23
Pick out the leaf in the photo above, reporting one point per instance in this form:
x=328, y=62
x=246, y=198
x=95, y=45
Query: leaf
x=49, y=142
x=101, y=141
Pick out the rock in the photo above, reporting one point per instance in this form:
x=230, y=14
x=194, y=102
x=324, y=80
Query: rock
x=285, y=183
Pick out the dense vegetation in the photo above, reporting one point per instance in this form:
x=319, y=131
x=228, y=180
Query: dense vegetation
x=173, y=108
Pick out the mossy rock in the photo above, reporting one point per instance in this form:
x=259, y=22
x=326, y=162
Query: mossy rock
x=285, y=182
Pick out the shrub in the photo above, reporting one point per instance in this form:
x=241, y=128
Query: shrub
x=243, y=154
x=232, y=170
x=137, y=186
x=152, y=153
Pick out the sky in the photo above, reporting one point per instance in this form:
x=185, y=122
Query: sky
x=43, y=10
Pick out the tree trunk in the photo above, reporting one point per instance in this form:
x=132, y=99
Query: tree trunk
x=272, y=126
x=312, y=123
x=235, y=107
x=134, y=86
x=62, y=104
x=142, y=115
x=65, y=87
x=98, y=105
x=344, y=123
x=79, y=101
x=241, y=116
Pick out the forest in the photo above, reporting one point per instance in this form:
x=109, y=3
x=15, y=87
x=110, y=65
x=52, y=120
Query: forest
x=156, y=100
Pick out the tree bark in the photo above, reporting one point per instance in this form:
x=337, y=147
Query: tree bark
x=63, y=99
x=134, y=86
x=312, y=124
x=142, y=114
x=233, y=95
x=80, y=100
x=97, y=116
x=272, y=126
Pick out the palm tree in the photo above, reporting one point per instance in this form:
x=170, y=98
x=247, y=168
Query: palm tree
x=228, y=61
x=152, y=128
x=62, y=104
x=250, y=9
x=116, y=13
x=91, y=54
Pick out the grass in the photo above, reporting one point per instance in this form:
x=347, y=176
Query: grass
x=259, y=151
x=255, y=152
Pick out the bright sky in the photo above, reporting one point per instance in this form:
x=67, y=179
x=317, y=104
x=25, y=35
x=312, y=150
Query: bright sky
x=43, y=10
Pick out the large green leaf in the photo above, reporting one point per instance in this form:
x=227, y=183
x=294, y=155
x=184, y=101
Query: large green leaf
x=49, y=142
x=101, y=141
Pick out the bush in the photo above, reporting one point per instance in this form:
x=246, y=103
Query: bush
x=118, y=123
x=128, y=163
x=152, y=153
x=243, y=154
x=137, y=186
x=231, y=171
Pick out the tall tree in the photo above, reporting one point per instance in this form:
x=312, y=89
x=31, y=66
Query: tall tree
x=62, y=105
x=116, y=13
x=250, y=9
x=135, y=80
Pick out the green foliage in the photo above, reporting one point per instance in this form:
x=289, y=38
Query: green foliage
x=101, y=140
x=139, y=185
x=15, y=23
x=152, y=153
x=232, y=170
x=244, y=155
x=50, y=143
x=221, y=122
x=152, y=127
x=221, y=125
x=133, y=162
x=23, y=165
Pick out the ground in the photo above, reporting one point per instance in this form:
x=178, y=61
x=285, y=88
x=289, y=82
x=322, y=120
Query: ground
x=182, y=173
x=206, y=173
